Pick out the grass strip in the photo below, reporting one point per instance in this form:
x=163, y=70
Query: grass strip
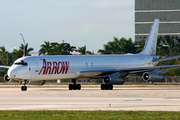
x=89, y=115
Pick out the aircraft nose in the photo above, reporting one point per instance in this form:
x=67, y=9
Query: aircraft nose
x=12, y=73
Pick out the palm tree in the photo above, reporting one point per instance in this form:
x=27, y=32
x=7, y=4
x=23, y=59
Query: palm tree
x=64, y=49
x=126, y=46
x=106, y=50
x=140, y=46
x=46, y=48
x=121, y=46
x=162, y=48
x=3, y=55
x=2, y=50
x=169, y=41
x=16, y=54
x=27, y=50
x=168, y=48
x=82, y=50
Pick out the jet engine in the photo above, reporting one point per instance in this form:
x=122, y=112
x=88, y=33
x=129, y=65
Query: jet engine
x=114, y=78
x=7, y=79
x=152, y=76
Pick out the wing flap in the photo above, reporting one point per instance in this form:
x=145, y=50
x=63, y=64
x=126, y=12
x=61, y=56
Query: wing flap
x=92, y=73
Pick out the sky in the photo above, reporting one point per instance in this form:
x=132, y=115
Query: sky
x=78, y=22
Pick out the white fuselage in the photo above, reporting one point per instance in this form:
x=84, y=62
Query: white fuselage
x=66, y=67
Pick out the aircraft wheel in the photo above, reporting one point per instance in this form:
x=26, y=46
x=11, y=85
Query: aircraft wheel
x=110, y=87
x=23, y=88
x=102, y=86
x=74, y=86
x=78, y=87
x=106, y=86
x=70, y=86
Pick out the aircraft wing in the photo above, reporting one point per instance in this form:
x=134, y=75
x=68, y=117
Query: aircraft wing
x=89, y=73
x=2, y=66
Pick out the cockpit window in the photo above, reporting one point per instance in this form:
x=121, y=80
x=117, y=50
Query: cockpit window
x=21, y=63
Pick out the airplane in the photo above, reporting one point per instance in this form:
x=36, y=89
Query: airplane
x=111, y=68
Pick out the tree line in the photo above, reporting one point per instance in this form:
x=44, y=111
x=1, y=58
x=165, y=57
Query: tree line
x=166, y=46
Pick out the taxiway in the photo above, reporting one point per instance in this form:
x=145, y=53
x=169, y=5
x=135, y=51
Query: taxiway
x=133, y=98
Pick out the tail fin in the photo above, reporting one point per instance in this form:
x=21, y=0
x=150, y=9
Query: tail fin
x=151, y=42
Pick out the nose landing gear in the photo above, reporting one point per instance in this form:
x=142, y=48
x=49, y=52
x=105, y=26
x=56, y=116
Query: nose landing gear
x=24, y=88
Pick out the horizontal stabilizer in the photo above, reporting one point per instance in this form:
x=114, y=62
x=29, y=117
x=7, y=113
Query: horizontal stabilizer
x=165, y=58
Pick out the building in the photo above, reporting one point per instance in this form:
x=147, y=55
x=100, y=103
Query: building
x=168, y=11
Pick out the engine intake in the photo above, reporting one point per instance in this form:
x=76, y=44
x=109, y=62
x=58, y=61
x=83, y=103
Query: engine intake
x=152, y=76
x=7, y=79
x=114, y=78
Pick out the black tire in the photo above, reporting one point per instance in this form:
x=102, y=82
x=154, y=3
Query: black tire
x=70, y=86
x=106, y=86
x=74, y=86
x=78, y=86
x=23, y=88
x=102, y=86
x=110, y=87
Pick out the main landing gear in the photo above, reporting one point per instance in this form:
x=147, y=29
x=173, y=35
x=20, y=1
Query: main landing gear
x=106, y=87
x=74, y=86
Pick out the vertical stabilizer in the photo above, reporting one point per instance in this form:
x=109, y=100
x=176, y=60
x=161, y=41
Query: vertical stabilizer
x=151, y=42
